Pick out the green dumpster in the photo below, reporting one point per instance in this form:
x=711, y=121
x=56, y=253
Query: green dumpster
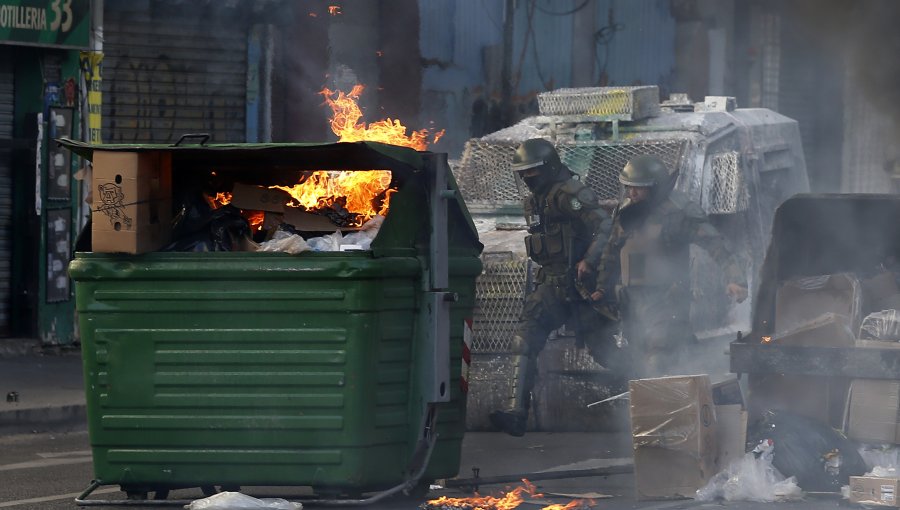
x=338, y=370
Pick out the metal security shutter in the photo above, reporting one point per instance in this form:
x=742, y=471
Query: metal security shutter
x=6, y=134
x=163, y=78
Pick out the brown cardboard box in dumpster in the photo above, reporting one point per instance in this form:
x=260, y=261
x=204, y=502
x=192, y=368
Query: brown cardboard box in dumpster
x=132, y=206
x=870, y=490
x=873, y=412
x=258, y=198
x=673, y=424
x=802, y=300
x=828, y=330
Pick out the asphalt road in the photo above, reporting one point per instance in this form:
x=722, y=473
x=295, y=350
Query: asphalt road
x=47, y=471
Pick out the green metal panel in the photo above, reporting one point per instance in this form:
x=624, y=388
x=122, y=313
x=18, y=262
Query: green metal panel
x=54, y=23
x=259, y=368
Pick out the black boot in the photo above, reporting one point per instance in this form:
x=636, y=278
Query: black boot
x=514, y=418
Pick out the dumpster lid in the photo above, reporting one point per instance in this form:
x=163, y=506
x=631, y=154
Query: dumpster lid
x=302, y=156
x=819, y=234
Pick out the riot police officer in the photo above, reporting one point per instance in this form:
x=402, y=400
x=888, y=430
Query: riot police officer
x=646, y=264
x=567, y=232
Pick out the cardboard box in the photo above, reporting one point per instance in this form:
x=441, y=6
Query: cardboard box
x=873, y=410
x=673, y=422
x=728, y=391
x=132, y=206
x=258, y=198
x=870, y=490
x=731, y=423
x=828, y=330
x=800, y=301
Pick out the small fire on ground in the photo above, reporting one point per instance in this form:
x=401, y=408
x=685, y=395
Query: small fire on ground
x=505, y=501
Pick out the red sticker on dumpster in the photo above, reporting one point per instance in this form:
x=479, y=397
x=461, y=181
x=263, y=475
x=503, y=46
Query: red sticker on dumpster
x=466, y=355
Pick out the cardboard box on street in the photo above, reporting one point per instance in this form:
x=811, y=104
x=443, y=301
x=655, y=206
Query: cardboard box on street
x=674, y=434
x=870, y=490
x=731, y=423
x=800, y=301
x=132, y=201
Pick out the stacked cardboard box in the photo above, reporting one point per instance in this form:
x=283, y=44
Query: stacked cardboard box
x=873, y=412
x=674, y=433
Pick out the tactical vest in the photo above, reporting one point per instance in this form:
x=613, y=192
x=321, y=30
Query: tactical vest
x=552, y=235
x=646, y=260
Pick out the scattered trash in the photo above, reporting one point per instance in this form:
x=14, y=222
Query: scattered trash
x=237, y=501
x=283, y=241
x=752, y=477
x=820, y=457
x=884, y=457
x=883, y=325
x=200, y=228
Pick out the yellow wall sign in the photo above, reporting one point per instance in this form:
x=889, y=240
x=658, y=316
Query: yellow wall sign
x=90, y=66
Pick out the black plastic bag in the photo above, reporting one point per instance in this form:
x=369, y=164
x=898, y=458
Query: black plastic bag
x=820, y=457
x=200, y=228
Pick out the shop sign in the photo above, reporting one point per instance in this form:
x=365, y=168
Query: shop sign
x=54, y=23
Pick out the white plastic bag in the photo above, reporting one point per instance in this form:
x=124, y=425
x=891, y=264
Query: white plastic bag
x=883, y=325
x=331, y=242
x=751, y=478
x=285, y=242
x=237, y=501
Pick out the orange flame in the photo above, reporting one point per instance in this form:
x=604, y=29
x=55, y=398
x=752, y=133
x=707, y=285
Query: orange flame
x=222, y=198
x=507, y=501
x=360, y=189
x=766, y=339
x=346, y=123
x=334, y=10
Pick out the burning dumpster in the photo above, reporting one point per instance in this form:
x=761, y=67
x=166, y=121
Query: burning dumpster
x=338, y=370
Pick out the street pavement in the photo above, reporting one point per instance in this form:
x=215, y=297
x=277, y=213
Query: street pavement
x=45, y=458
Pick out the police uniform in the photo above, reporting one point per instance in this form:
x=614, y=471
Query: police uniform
x=566, y=226
x=647, y=262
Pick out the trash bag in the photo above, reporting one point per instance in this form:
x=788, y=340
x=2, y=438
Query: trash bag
x=237, y=501
x=200, y=228
x=331, y=242
x=821, y=458
x=883, y=326
x=883, y=456
x=283, y=241
x=751, y=478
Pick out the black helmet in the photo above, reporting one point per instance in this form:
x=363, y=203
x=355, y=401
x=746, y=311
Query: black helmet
x=644, y=171
x=538, y=164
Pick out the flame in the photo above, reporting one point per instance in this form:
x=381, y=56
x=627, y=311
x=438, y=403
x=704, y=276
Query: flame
x=334, y=10
x=346, y=123
x=222, y=198
x=507, y=501
x=357, y=192
x=766, y=340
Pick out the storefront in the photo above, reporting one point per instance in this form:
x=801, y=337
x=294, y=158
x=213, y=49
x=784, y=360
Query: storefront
x=41, y=98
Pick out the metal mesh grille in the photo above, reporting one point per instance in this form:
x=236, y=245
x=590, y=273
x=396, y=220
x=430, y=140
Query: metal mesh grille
x=499, y=296
x=484, y=174
x=728, y=193
x=599, y=165
x=624, y=103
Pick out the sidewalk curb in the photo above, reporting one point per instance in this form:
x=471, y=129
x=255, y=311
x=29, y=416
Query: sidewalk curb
x=68, y=418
